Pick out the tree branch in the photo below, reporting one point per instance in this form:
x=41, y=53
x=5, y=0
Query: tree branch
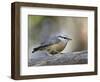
x=70, y=58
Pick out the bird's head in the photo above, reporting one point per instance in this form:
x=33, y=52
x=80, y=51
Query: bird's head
x=64, y=37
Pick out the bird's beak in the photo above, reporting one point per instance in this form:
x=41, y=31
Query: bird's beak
x=69, y=38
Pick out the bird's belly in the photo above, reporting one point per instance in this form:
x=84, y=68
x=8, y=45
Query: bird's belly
x=56, y=48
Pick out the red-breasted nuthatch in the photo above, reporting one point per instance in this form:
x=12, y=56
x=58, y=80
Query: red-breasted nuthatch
x=54, y=45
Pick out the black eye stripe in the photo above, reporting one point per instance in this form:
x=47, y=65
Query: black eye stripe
x=65, y=37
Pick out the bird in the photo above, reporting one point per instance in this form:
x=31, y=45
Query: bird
x=53, y=45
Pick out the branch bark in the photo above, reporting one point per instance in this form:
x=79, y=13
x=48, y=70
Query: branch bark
x=70, y=58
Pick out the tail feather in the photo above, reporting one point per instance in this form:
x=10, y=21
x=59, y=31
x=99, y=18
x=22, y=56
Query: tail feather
x=39, y=48
x=36, y=49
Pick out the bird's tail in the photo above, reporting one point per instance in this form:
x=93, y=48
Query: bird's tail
x=39, y=48
x=33, y=51
x=36, y=49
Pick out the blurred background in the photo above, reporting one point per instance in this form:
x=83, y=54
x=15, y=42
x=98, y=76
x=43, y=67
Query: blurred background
x=41, y=28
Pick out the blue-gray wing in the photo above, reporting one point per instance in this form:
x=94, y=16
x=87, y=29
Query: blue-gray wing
x=50, y=41
x=47, y=43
